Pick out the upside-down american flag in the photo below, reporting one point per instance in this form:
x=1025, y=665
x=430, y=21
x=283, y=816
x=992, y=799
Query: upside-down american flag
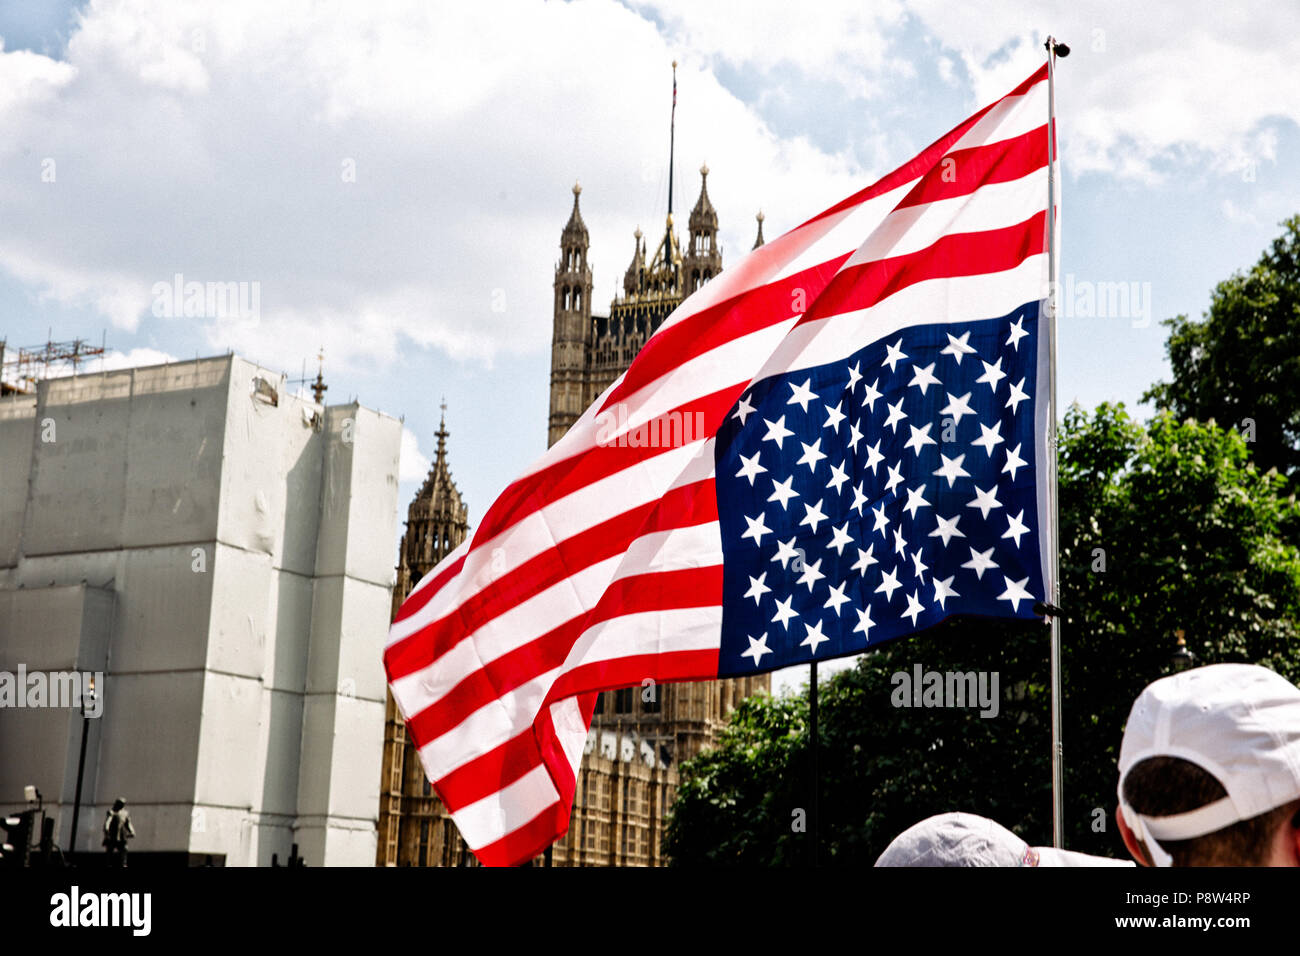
x=873, y=387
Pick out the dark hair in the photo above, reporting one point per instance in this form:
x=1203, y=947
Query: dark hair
x=1163, y=786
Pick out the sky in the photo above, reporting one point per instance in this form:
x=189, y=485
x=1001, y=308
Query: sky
x=388, y=181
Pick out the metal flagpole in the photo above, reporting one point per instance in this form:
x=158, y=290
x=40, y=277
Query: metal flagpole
x=813, y=832
x=1054, y=50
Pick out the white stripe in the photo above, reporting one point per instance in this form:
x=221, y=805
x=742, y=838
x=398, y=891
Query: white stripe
x=498, y=814
x=649, y=632
x=681, y=549
x=915, y=228
x=1013, y=116
x=486, y=728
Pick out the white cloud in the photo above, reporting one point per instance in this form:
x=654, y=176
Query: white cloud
x=391, y=176
x=413, y=464
x=1146, y=93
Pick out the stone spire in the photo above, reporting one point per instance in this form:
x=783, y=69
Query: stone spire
x=759, y=241
x=703, y=254
x=436, y=521
x=633, y=278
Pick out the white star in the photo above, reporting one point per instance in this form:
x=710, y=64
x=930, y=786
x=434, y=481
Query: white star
x=803, y=394
x=896, y=415
x=914, y=608
x=840, y=537
x=1014, y=461
x=1018, y=395
x=854, y=375
x=919, y=566
x=865, y=623
x=915, y=500
x=785, y=550
x=985, y=501
x=855, y=436
x=888, y=583
x=894, y=355
x=1017, y=333
x=992, y=374
x=1015, y=592
x=783, y=491
x=813, y=515
x=757, y=648
x=834, y=416
x=838, y=477
x=836, y=599
x=811, y=455
x=750, y=468
x=757, y=528
x=923, y=378
x=784, y=612
x=920, y=438
x=881, y=521
x=874, y=457
x=865, y=560
x=951, y=468
x=899, y=541
x=957, y=407
x=947, y=529
x=811, y=574
x=980, y=562
x=957, y=347
x=743, y=409
x=815, y=637
x=943, y=590
x=1016, y=528
x=989, y=437
x=859, y=499
x=895, y=476
x=776, y=431
x=757, y=588
x=869, y=399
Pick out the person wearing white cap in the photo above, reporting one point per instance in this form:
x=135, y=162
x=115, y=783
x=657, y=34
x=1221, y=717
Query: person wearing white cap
x=1209, y=770
x=964, y=839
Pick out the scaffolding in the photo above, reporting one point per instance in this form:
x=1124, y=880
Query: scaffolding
x=20, y=373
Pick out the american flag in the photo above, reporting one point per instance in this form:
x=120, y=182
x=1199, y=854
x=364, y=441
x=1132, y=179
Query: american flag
x=872, y=389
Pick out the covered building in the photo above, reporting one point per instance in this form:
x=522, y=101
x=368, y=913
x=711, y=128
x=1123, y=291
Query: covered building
x=219, y=550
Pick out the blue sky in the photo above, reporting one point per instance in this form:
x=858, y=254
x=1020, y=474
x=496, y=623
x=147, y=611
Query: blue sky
x=145, y=139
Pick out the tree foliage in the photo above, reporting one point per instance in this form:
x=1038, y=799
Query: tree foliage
x=1241, y=364
x=1165, y=526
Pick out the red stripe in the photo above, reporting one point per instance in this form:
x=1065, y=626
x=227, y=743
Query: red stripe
x=656, y=591
x=956, y=254
x=687, y=506
x=520, y=846
x=632, y=671
x=963, y=171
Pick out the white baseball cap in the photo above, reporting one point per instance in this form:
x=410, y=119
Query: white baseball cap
x=965, y=839
x=1239, y=722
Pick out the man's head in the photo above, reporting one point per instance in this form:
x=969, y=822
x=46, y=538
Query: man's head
x=1210, y=770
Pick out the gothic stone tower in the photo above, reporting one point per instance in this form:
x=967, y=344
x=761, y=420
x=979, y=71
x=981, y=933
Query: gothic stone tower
x=639, y=735
x=414, y=827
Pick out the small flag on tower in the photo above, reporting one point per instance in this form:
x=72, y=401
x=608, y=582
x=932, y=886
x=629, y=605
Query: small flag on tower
x=873, y=460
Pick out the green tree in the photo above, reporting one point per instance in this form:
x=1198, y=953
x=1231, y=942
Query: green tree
x=1241, y=364
x=1164, y=527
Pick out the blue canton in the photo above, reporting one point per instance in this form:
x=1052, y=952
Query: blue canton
x=876, y=496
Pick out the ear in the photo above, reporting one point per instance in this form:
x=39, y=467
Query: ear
x=1131, y=842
